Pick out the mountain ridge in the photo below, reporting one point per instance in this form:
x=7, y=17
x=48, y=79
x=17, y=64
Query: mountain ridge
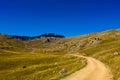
x=34, y=37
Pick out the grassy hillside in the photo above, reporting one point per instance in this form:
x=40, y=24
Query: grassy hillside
x=44, y=58
x=22, y=61
x=74, y=44
x=108, y=51
x=8, y=43
x=37, y=66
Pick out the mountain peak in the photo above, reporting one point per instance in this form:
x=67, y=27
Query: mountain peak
x=34, y=37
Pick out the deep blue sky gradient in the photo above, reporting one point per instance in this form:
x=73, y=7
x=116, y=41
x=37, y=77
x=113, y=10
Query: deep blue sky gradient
x=67, y=17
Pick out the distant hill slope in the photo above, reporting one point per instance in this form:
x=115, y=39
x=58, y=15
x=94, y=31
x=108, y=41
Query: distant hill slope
x=52, y=42
x=8, y=43
x=20, y=42
x=74, y=44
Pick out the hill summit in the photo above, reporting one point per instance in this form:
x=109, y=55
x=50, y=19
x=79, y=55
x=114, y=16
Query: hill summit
x=34, y=37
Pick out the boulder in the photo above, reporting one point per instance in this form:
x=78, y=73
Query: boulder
x=116, y=53
x=63, y=71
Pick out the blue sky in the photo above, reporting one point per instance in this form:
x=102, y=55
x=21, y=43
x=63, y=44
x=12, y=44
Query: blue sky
x=66, y=17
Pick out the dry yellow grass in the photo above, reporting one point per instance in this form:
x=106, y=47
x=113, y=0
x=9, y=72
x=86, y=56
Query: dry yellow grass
x=37, y=66
x=35, y=59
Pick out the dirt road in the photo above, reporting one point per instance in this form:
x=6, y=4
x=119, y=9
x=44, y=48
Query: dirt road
x=95, y=70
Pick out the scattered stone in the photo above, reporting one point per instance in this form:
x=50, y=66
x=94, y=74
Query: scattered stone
x=95, y=41
x=63, y=71
x=54, y=72
x=116, y=53
x=47, y=40
x=56, y=67
x=56, y=63
x=24, y=66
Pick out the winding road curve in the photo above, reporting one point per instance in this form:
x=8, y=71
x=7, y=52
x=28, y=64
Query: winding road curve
x=95, y=70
